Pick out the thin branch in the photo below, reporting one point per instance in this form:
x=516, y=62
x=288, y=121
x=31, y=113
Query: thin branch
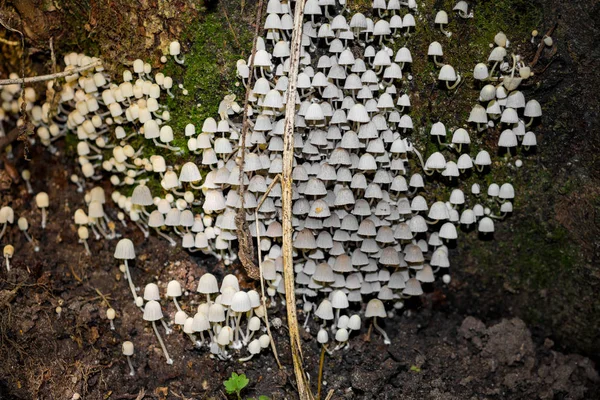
x=43, y=78
x=542, y=45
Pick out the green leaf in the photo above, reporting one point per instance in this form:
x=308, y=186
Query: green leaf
x=264, y=398
x=236, y=383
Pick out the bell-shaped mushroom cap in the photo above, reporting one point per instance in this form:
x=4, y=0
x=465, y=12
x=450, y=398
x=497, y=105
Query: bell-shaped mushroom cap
x=127, y=348
x=241, y=302
x=435, y=49
x=341, y=335
x=507, y=139
x=151, y=292
x=325, y=310
x=435, y=161
x=343, y=322
x=216, y=313
x=188, y=325
x=507, y=191
x=322, y=336
x=208, y=284
x=448, y=231
x=413, y=254
x=180, y=318
x=461, y=136
x=152, y=311
x=413, y=288
x=174, y=289
x=224, y=337
x=42, y=200
x=354, y=323
x=375, y=308
x=230, y=280
x=529, y=139
x=480, y=72
x=189, y=173
x=467, y=217
x=441, y=17
x=486, y=225
x=201, y=322
x=254, y=347
x=339, y=299
x=509, y=116
x=141, y=196
x=322, y=273
x=483, y=158
x=447, y=73
x=124, y=250
x=438, y=211
x=533, y=109
x=305, y=240
x=497, y=55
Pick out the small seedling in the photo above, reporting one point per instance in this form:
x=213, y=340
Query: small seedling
x=236, y=383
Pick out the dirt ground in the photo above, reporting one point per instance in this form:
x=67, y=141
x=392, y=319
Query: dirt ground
x=436, y=353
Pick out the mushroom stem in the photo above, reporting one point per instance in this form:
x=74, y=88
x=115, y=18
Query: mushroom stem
x=193, y=339
x=437, y=63
x=29, y=188
x=246, y=358
x=176, y=304
x=146, y=233
x=112, y=325
x=7, y=264
x=179, y=60
x=167, y=237
x=162, y=345
x=168, y=330
x=386, y=340
x=131, y=285
x=131, y=370
x=87, y=248
x=458, y=81
x=44, y=218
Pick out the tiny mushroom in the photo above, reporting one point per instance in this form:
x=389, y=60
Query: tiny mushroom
x=9, y=250
x=127, y=349
x=42, y=201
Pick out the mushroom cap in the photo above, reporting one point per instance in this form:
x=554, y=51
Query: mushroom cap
x=152, y=311
x=208, y=284
x=42, y=200
x=127, y=348
x=375, y=308
x=174, y=289
x=124, y=250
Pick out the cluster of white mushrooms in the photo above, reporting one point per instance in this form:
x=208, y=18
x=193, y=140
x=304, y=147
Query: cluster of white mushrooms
x=219, y=320
x=367, y=230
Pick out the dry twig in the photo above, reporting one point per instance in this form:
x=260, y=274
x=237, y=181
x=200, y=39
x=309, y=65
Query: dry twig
x=286, y=197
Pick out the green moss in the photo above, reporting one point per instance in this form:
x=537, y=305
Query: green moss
x=208, y=73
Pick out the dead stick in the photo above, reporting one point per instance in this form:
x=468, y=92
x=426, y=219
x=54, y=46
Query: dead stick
x=8, y=139
x=538, y=54
x=43, y=78
x=304, y=392
x=321, y=365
